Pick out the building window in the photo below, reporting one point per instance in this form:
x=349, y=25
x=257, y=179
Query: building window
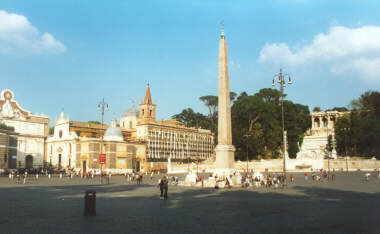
x=70, y=148
x=130, y=124
x=60, y=133
x=150, y=113
x=5, y=158
x=142, y=112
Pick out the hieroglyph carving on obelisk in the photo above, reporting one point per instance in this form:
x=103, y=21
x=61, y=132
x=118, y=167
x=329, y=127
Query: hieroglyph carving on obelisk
x=224, y=150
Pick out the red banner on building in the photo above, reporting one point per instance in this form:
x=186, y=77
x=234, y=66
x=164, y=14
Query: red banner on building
x=102, y=158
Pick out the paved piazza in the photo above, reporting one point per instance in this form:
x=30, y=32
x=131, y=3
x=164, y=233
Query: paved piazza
x=346, y=205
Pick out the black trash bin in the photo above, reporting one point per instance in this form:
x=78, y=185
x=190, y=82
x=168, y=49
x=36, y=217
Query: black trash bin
x=90, y=203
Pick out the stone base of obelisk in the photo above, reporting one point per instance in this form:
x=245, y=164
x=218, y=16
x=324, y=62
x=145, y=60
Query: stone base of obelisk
x=225, y=157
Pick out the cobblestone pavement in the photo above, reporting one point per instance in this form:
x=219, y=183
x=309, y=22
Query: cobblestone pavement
x=345, y=205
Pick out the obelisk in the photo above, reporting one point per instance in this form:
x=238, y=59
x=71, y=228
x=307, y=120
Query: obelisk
x=224, y=150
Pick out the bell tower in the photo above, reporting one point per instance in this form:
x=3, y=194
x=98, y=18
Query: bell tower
x=147, y=109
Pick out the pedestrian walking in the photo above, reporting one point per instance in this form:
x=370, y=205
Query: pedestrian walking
x=306, y=177
x=366, y=177
x=60, y=175
x=36, y=176
x=333, y=174
x=163, y=185
x=49, y=176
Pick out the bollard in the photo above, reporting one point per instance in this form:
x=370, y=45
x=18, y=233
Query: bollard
x=90, y=203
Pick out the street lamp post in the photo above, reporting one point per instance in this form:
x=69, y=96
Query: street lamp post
x=281, y=80
x=102, y=107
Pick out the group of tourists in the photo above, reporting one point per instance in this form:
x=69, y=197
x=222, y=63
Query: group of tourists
x=322, y=176
x=267, y=181
x=138, y=177
x=19, y=177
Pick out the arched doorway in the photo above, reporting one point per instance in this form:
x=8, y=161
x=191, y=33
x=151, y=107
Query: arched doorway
x=325, y=122
x=332, y=120
x=29, y=162
x=84, y=167
x=316, y=123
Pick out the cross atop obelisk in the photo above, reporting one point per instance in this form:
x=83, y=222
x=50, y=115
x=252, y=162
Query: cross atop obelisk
x=224, y=150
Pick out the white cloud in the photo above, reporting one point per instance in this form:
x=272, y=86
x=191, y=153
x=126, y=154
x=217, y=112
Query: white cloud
x=341, y=50
x=18, y=34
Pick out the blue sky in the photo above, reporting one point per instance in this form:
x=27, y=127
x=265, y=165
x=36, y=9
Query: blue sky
x=70, y=54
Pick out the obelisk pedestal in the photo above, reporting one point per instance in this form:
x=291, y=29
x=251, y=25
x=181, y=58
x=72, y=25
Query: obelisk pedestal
x=225, y=156
x=224, y=150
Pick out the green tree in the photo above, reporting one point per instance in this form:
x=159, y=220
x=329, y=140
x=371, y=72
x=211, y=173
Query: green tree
x=329, y=145
x=94, y=122
x=192, y=119
x=297, y=121
x=270, y=95
x=358, y=133
x=316, y=109
x=211, y=102
x=256, y=123
x=259, y=116
x=6, y=127
x=340, y=109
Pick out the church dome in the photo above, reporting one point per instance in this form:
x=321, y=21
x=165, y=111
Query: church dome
x=113, y=133
x=133, y=111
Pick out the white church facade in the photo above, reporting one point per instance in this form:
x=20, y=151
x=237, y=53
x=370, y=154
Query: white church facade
x=32, y=131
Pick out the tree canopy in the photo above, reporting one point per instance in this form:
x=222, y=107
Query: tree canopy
x=193, y=119
x=6, y=127
x=256, y=123
x=94, y=122
x=358, y=133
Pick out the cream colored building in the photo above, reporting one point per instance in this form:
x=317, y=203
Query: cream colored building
x=167, y=140
x=139, y=143
x=77, y=145
x=32, y=129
